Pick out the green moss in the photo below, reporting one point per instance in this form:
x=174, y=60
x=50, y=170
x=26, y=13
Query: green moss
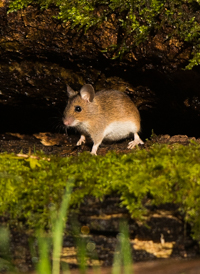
x=30, y=188
x=137, y=21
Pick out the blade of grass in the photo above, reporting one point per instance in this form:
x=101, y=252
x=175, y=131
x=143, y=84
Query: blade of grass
x=58, y=228
x=117, y=261
x=5, y=260
x=122, y=256
x=44, y=265
x=126, y=249
x=80, y=246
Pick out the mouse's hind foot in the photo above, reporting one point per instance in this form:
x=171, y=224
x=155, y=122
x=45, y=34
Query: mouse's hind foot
x=137, y=141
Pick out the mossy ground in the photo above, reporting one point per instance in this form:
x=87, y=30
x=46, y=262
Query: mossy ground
x=32, y=186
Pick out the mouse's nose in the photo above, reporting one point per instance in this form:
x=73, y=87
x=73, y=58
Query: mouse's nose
x=67, y=121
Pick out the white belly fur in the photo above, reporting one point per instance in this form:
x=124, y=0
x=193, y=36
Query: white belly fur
x=119, y=130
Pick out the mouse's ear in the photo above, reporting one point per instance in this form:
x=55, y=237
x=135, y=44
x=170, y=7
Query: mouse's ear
x=87, y=93
x=70, y=92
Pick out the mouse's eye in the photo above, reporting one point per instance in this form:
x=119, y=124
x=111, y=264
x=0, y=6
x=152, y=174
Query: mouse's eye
x=78, y=108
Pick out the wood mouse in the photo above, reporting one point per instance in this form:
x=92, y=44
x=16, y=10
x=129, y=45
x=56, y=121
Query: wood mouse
x=105, y=115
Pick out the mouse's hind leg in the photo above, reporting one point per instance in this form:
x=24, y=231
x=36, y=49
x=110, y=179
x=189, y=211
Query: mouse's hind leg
x=136, y=141
x=94, y=149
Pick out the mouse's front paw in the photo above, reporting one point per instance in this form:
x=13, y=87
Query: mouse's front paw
x=81, y=141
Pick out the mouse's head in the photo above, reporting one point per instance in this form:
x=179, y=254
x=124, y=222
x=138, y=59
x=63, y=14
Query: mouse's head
x=79, y=107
